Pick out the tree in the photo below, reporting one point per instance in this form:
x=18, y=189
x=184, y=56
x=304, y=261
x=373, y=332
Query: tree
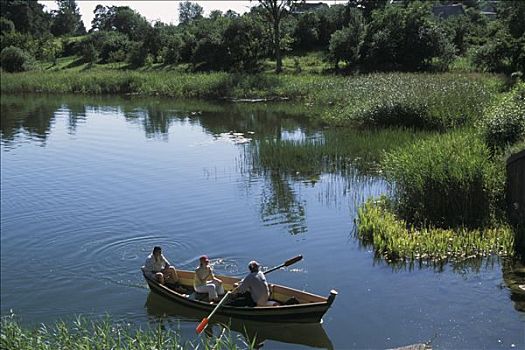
x=121, y=19
x=345, y=44
x=67, y=19
x=27, y=16
x=274, y=11
x=189, y=11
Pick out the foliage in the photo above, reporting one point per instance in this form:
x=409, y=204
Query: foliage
x=121, y=19
x=395, y=239
x=504, y=122
x=189, y=11
x=67, y=19
x=14, y=59
x=27, y=16
x=447, y=181
x=401, y=38
x=6, y=26
x=345, y=44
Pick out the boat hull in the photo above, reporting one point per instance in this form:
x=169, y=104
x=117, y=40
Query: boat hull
x=310, y=311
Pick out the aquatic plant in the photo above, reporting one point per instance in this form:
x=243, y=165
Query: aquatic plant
x=396, y=240
x=504, y=122
x=447, y=180
x=102, y=334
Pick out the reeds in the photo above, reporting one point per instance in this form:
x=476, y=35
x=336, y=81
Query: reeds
x=426, y=101
x=396, y=240
x=335, y=151
x=103, y=334
x=447, y=180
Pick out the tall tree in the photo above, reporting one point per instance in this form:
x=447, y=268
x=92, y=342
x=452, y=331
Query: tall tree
x=275, y=10
x=67, y=19
x=27, y=16
x=189, y=11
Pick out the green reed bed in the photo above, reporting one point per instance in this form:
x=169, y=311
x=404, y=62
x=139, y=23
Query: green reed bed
x=335, y=151
x=504, y=121
x=447, y=180
x=396, y=240
x=428, y=101
x=103, y=334
x=425, y=101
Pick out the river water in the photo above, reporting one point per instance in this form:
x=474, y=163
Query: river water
x=90, y=184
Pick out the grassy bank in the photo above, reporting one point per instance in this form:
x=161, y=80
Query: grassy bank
x=396, y=240
x=104, y=334
x=428, y=101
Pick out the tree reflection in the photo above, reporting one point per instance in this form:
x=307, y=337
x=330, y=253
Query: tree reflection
x=280, y=205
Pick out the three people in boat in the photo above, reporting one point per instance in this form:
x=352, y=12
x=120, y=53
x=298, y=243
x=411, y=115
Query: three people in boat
x=159, y=268
x=255, y=283
x=205, y=282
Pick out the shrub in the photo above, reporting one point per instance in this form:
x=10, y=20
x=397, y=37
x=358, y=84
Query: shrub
x=345, y=44
x=14, y=59
x=447, y=181
x=504, y=123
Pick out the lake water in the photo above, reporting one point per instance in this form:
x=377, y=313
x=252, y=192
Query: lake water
x=90, y=184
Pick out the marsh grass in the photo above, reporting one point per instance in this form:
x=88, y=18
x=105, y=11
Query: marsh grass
x=396, y=240
x=504, y=122
x=447, y=180
x=102, y=334
x=337, y=150
x=426, y=101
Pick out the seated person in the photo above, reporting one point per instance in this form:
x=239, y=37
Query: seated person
x=205, y=281
x=157, y=267
x=255, y=283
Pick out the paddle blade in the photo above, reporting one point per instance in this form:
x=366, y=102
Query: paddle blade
x=293, y=260
x=202, y=325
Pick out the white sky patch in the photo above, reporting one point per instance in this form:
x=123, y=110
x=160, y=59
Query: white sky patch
x=164, y=11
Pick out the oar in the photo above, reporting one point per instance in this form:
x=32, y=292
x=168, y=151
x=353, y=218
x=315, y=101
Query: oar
x=205, y=320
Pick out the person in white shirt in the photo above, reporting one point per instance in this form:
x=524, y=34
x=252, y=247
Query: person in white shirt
x=159, y=268
x=255, y=283
x=205, y=281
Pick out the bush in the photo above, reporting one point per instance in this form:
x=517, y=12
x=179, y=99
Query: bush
x=345, y=44
x=504, y=123
x=14, y=59
x=171, y=53
x=447, y=181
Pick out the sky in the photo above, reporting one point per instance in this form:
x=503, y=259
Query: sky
x=164, y=11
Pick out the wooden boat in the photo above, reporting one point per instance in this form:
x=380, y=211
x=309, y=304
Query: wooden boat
x=311, y=335
x=309, y=308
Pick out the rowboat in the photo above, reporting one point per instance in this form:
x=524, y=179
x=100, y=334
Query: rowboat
x=307, y=307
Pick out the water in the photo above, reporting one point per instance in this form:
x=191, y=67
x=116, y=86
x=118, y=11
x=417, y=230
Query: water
x=89, y=185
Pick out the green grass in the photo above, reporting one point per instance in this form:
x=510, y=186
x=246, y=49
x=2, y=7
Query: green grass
x=446, y=181
x=426, y=101
x=338, y=150
x=504, y=122
x=103, y=334
x=396, y=240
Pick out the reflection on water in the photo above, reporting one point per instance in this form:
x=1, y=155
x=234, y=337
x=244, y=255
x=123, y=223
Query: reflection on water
x=514, y=276
x=312, y=335
x=111, y=177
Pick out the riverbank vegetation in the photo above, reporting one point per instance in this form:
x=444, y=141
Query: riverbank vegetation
x=82, y=334
x=367, y=66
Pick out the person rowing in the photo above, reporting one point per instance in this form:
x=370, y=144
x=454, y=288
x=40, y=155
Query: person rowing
x=157, y=267
x=255, y=283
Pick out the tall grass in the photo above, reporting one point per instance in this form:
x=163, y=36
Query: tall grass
x=395, y=239
x=103, y=334
x=447, y=180
x=428, y=101
x=336, y=151
x=504, y=122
